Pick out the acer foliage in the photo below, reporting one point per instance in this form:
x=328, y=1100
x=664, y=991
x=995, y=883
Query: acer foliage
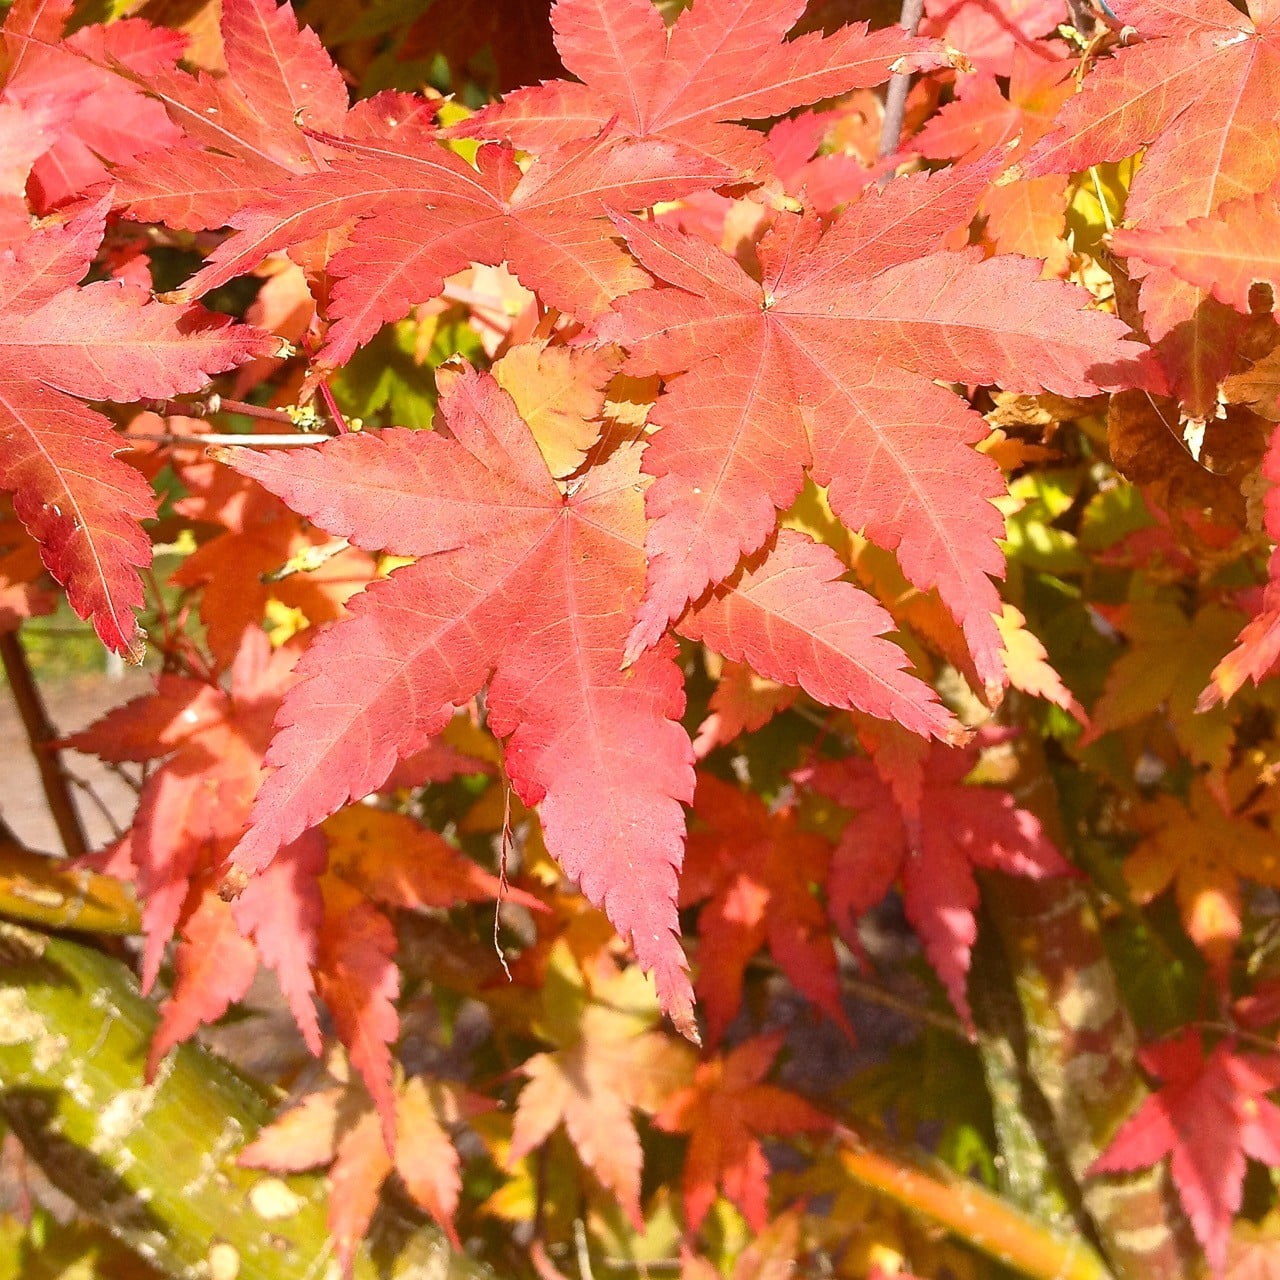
x=1195, y=92
x=1208, y=1114
x=723, y=1110
x=573, y=714
x=64, y=344
x=798, y=390
x=932, y=843
x=755, y=869
x=684, y=83
x=643, y=541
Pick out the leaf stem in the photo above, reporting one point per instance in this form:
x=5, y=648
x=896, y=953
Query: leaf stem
x=1107, y=220
x=104, y=811
x=322, y=386
x=1263, y=1043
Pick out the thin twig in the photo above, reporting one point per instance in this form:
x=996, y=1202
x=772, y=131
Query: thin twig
x=122, y=775
x=895, y=101
x=874, y=994
x=504, y=848
x=208, y=406
x=40, y=733
x=86, y=789
x=227, y=438
x=326, y=395
x=1102, y=199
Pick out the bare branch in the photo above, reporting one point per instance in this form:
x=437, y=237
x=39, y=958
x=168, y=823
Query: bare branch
x=895, y=102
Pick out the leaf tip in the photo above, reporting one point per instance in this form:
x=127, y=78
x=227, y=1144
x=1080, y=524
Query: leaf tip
x=135, y=647
x=233, y=884
x=685, y=1023
x=1213, y=696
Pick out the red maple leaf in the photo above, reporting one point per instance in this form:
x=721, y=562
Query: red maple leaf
x=357, y=977
x=1226, y=253
x=284, y=913
x=193, y=807
x=1207, y=1116
x=61, y=344
x=398, y=862
x=25, y=133
x=981, y=116
x=1257, y=648
x=320, y=933
x=724, y=1110
x=209, y=743
x=315, y=916
x=741, y=702
x=214, y=966
x=245, y=129
x=756, y=870
x=687, y=84
x=241, y=570
x=1198, y=92
x=22, y=595
x=377, y=859
x=98, y=118
x=932, y=846
x=529, y=586
x=422, y=213
x=992, y=34
x=835, y=352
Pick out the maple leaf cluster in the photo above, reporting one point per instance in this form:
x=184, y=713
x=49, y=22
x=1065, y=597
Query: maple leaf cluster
x=711, y=517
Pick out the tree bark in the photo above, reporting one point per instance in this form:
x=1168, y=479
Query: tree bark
x=156, y=1163
x=1080, y=1050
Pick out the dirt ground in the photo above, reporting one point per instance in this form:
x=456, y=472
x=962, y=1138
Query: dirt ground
x=103, y=798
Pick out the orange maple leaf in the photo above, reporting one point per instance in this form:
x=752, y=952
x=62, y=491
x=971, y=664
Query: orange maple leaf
x=1203, y=851
x=723, y=1111
x=336, y=1126
x=609, y=1060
